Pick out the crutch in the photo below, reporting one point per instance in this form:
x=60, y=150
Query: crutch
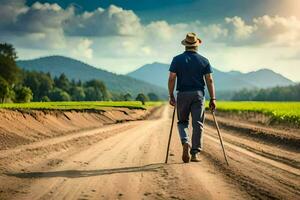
x=219, y=133
x=170, y=135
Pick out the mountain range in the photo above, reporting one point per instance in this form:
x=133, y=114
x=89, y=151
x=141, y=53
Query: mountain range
x=151, y=77
x=157, y=74
x=78, y=70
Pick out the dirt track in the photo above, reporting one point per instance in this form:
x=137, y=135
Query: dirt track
x=124, y=161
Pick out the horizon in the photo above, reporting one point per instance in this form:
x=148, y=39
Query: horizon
x=155, y=62
x=120, y=36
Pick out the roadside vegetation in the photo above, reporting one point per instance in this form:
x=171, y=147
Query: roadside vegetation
x=278, y=111
x=285, y=93
x=17, y=85
x=83, y=105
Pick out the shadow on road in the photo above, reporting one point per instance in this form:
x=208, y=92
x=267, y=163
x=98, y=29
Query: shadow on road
x=86, y=173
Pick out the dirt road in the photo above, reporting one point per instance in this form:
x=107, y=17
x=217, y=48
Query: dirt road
x=125, y=161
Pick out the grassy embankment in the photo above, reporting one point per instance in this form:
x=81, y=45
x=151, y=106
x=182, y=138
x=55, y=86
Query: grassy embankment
x=278, y=111
x=84, y=105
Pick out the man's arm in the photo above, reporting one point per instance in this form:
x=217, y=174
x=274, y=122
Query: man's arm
x=211, y=89
x=171, y=86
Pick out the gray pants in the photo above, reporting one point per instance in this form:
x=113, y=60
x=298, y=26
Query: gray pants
x=191, y=103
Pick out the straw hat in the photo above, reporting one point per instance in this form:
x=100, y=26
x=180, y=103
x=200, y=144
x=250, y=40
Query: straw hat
x=191, y=40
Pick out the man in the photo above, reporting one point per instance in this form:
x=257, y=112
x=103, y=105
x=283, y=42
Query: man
x=190, y=69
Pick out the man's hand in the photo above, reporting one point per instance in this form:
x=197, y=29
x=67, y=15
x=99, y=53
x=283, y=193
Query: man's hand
x=171, y=86
x=212, y=104
x=172, y=100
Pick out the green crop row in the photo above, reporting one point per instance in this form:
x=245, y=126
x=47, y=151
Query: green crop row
x=278, y=111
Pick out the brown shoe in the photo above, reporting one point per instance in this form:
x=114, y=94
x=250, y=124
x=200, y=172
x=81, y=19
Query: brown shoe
x=195, y=158
x=185, y=153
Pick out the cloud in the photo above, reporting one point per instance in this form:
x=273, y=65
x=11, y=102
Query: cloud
x=45, y=25
x=110, y=22
x=265, y=30
x=38, y=26
x=83, y=49
x=9, y=11
x=119, y=38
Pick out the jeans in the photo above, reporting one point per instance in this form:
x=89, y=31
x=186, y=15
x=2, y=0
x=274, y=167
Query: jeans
x=191, y=102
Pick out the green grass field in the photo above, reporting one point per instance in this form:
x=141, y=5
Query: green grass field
x=84, y=105
x=278, y=111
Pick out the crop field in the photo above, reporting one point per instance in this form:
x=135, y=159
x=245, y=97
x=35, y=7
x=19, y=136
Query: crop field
x=278, y=111
x=83, y=105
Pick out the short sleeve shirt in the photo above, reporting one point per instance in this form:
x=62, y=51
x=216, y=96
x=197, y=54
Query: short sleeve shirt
x=190, y=68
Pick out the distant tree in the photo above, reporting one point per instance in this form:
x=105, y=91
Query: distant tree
x=99, y=89
x=127, y=97
x=286, y=93
x=8, y=68
x=244, y=95
x=23, y=94
x=58, y=94
x=153, y=97
x=45, y=99
x=90, y=94
x=39, y=83
x=8, y=51
x=62, y=82
x=114, y=96
x=77, y=93
x=142, y=98
x=79, y=83
x=4, y=89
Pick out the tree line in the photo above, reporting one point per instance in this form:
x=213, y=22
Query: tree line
x=287, y=93
x=17, y=85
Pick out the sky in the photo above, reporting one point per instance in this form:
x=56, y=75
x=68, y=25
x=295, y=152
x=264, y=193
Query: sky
x=122, y=35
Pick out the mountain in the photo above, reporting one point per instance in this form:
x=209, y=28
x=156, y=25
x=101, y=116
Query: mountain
x=78, y=70
x=263, y=78
x=157, y=74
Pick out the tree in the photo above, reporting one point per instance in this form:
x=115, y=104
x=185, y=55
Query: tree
x=77, y=93
x=62, y=82
x=286, y=93
x=23, y=94
x=100, y=90
x=8, y=51
x=127, y=97
x=4, y=89
x=58, y=94
x=39, y=83
x=8, y=68
x=142, y=98
x=45, y=99
x=90, y=94
x=153, y=97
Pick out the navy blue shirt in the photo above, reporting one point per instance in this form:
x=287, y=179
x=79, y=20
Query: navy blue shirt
x=190, y=68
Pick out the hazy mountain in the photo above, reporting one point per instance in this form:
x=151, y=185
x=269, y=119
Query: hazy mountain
x=75, y=69
x=157, y=74
x=263, y=78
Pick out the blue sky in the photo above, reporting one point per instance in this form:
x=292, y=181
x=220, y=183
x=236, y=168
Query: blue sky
x=122, y=35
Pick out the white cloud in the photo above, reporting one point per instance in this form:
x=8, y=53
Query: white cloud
x=38, y=26
x=110, y=22
x=122, y=42
x=238, y=28
x=265, y=30
x=83, y=49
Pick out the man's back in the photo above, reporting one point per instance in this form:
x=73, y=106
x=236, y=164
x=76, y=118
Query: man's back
x=190, y=67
